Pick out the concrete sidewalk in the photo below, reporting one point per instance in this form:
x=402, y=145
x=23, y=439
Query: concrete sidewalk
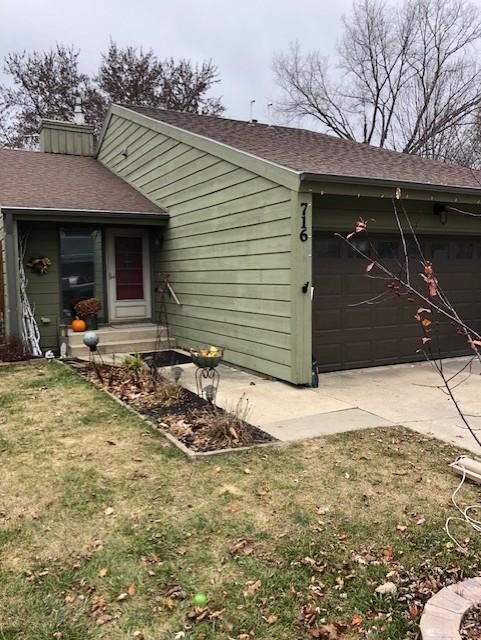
x=404, y=394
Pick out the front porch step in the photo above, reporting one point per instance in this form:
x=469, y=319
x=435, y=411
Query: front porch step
x=122, y=339
x=122, y=346
x=121, y=334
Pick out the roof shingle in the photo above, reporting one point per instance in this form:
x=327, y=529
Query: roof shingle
x=56, y=181
x=318, y=153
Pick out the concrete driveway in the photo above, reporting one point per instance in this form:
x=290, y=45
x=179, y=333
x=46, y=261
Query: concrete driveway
x=406, y=394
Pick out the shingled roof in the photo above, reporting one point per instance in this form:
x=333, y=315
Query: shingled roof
x=65, y=182
x=310, y=152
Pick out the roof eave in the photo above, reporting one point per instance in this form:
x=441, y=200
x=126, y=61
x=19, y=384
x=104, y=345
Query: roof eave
x=87, y=213
x=382, y=182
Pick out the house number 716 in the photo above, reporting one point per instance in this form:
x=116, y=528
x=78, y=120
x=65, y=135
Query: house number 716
x=303, y=234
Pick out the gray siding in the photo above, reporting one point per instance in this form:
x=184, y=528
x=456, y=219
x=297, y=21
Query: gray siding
x=227, y=248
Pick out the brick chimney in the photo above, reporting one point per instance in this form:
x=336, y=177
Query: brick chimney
x=72, y=138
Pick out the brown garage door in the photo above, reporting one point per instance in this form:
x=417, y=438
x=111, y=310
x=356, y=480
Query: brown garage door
x=347, y=334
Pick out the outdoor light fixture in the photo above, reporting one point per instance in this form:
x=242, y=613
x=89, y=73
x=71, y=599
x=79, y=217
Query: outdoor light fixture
x=441, y=210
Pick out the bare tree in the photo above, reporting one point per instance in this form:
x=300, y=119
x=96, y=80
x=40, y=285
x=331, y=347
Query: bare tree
x=133, y=76
x=130, y=75
x=44, y=85
x=184, y=87
x=404, y=78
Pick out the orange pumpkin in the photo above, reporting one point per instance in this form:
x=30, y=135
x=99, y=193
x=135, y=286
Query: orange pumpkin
x=78, y=325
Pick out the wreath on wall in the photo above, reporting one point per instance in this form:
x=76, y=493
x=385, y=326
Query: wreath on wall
x=40, y=265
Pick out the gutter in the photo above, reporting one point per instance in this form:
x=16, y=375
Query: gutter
x=382, y=182
x=88, y=213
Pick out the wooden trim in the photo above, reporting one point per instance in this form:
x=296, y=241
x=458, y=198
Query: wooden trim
x=146, y=269
x=301, y=277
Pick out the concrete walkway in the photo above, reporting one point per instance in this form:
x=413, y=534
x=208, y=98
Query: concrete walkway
x=405, y=394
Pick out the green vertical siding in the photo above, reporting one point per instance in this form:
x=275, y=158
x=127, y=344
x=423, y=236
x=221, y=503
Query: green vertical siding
x=228, y=247
x=66, y=137
x=43, y=290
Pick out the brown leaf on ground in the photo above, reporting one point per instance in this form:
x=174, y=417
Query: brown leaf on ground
x=103, y=572
x=233, y=508
x=168, y=603
x=174, y=591
x=182, y=551
x=252, y=588
x=198, y=614
x=326, y=631
x=131, y=591
x=98, y=610
x=272, y=619
x=314, y=564
x=243, y=546
x=216, y=615
x=307, y=615
x=414, y=612
x=387, y=554
x=356, y=621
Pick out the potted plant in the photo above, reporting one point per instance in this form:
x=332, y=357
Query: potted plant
x=88, y=310
x=207, y=358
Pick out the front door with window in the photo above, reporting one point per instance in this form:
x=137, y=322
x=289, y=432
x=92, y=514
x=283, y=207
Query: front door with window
x=128, y=274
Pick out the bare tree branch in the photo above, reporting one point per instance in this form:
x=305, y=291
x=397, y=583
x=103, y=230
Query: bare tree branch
x=409, y=77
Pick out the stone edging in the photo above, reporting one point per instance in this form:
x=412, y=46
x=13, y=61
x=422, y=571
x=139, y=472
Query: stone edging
x=192, y=456
x=443, y=613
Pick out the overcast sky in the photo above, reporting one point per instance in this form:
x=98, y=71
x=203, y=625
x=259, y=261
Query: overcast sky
x=241, y=37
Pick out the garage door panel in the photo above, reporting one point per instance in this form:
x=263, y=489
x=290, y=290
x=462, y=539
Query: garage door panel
x=329, y=285
x=357, y=318
x=356, y=350
x=329, y=319
x=359, y=285
x=387, y=315
x=346, y=335
x=393, y=348
x=329, y=355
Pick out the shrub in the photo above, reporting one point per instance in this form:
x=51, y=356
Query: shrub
x=133, y=363
x=14, y=349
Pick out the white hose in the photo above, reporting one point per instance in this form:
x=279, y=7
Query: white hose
x=465, y=513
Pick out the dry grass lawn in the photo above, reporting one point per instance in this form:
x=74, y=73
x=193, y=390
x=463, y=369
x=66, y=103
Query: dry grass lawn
x=108, y=532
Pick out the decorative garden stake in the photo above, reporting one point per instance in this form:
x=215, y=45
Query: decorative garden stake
x=91, y=340
x=206, y=375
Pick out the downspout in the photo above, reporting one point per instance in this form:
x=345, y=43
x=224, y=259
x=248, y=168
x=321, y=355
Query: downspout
x=11, y=262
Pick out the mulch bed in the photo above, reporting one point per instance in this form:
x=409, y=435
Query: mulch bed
x=199, y=425
x=471, y=624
